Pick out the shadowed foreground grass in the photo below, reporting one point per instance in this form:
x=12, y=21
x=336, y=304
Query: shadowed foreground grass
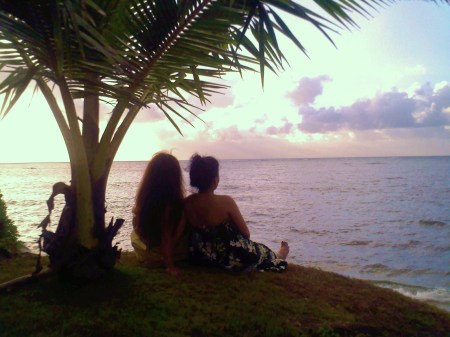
x=136, y=301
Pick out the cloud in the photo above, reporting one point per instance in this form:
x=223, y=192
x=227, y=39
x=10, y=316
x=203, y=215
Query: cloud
x=216, y=100
x=261, y=120
x=308, y=89
x=150, y=114
x=282, y=130
x=390, y=110
x=247, y=145
x=230, y=134
x=221, y=99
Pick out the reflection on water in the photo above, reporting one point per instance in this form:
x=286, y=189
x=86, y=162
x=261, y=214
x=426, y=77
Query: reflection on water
x=383, y=219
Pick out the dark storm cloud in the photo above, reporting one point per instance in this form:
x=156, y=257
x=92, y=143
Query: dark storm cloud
x=389, y=110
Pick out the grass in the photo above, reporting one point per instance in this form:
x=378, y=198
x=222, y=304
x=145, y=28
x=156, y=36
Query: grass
x=9, y=242
x=137, y=301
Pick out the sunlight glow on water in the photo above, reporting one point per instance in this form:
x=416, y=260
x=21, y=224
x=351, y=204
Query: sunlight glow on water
x=384, y=219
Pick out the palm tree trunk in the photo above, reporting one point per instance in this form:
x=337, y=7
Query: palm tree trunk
x=84, y=218
x=85, y=243
x=91, y=113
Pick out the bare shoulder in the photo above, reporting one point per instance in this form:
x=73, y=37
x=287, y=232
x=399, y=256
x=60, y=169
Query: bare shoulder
x=226, y=199
x=190, y=199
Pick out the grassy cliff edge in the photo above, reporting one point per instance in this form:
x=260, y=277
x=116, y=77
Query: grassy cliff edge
x=134, y=300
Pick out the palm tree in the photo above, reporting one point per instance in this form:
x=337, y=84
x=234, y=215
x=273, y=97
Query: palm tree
x=131, y=54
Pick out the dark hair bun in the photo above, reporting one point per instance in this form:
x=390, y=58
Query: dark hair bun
x=203, y=171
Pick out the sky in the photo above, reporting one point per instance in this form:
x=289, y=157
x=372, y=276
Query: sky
x=384, y=90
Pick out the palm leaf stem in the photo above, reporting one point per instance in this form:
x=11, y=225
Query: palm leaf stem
x=57, y=113
x=117, y=114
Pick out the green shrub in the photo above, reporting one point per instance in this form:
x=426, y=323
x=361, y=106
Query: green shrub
x=9, y=242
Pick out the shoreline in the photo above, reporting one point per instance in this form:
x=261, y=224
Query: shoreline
x=384, y=235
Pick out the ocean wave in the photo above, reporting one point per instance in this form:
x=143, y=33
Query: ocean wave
x=375, y=268
x=356, y=243
x=382, y=269
x=407, y=245
x=379, y=268
x=437, y=296
x=402, y=245
x=302, y=231
x=432, y=223
x=435, y=248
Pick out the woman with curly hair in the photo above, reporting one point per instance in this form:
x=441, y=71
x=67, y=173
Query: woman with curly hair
x=158, y=223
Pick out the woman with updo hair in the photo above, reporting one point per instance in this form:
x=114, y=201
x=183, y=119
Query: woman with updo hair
x=203, y=171
x=219, y=235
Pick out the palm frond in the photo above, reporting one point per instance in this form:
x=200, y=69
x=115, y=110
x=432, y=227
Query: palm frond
x=127, y=49
x=13, y=87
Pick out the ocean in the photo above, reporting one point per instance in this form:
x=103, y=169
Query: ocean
x=386, y=220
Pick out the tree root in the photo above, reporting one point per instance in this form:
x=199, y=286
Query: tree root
x=13, y=284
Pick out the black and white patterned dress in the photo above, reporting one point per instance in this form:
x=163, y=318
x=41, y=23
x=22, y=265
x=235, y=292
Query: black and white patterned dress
x=223, y=246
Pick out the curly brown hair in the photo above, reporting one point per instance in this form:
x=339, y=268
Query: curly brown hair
x=159, y=199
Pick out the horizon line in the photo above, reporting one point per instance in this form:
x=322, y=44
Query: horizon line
x=266, y=158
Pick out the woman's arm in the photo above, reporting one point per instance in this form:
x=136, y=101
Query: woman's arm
x=237, y=218
x=180, y=227
x=168, y=241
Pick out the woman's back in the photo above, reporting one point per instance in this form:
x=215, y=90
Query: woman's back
x=208, y=209
x=204, y=210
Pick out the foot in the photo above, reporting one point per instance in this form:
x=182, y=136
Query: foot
x=284, y=250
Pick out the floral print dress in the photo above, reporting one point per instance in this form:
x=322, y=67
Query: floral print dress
x=225, y=247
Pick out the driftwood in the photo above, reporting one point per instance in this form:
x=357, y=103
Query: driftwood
x=13, y=284
x=68, y=258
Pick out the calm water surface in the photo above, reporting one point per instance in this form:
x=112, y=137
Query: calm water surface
x=382, y=219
